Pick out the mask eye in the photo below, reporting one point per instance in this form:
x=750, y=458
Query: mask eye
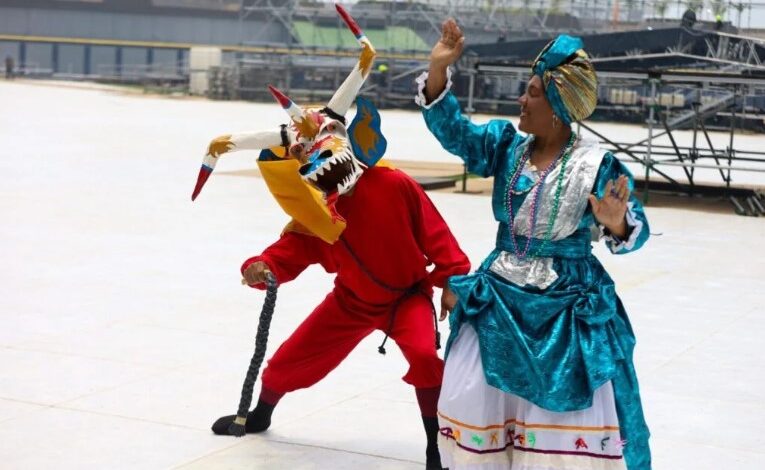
x=331, y=127
x=297, y=151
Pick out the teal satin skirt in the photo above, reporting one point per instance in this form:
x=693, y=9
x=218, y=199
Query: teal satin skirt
x=555, y=347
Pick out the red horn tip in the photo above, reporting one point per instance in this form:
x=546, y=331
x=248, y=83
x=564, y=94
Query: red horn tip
x=283, y=100
x=352, y=25
x=204, y=173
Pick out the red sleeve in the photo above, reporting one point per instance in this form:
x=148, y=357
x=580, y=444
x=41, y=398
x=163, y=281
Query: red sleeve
x=436, y=240
x=291, y=254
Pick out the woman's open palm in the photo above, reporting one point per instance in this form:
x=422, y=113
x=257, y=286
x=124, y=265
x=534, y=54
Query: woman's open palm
x=449, y=48
x=611, y=209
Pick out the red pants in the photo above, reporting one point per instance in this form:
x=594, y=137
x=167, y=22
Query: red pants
x=331, y=332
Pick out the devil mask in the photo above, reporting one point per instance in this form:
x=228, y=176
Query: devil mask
x=314, y=158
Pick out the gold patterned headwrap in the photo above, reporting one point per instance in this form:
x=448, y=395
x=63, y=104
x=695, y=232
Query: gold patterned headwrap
x=571, y=85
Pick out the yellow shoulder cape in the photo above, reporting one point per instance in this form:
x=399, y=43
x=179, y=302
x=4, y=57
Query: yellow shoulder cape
x=304, y=203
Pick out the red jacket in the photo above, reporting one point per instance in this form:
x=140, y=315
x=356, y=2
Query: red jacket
x=393, y=229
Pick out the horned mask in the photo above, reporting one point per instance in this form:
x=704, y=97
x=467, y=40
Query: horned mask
x=329, y=156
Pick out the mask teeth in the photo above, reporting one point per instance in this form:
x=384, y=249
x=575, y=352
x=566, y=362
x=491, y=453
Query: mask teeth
x=330, y=162
x=343, y=186
x=348, y=181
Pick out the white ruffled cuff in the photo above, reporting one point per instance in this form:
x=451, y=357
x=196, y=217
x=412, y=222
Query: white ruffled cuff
x=634, y=226
x=421, y=100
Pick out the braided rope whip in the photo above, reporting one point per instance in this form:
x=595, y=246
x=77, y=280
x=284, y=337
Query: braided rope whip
x=237, y=428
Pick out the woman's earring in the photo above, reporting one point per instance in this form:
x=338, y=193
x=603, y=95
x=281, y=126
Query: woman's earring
x=555, y=122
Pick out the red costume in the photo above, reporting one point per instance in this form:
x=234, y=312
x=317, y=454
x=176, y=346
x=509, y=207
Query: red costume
x=394, y=232
x=373, y=226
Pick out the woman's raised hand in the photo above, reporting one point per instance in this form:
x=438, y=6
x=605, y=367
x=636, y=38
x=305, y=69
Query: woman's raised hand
x=446, y=52
x=611, y=209
x=449, y=48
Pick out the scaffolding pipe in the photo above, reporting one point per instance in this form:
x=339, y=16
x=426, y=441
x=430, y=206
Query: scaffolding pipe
x=647, y=157
x=707, y=166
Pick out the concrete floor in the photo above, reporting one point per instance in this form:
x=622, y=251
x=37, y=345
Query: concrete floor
x=124, y=331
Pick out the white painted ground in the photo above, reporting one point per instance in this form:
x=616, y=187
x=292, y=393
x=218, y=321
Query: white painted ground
x=124, y=331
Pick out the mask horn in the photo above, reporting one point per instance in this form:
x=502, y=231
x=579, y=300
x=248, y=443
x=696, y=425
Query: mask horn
x=294, y=111
x=345, y=95
x=230, y=143
x=208, y=165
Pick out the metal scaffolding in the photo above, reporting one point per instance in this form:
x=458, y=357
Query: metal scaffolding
x=745, y=51
x=654, y=157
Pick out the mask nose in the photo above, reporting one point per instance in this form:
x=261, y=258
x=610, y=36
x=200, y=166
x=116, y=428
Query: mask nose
x=314, y=161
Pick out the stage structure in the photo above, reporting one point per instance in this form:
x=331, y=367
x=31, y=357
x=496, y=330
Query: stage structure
x=656, y=105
